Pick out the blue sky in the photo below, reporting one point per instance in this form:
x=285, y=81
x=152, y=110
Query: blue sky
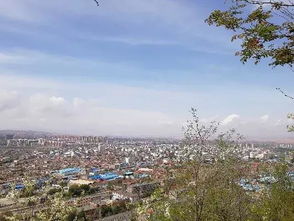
x=131, y=68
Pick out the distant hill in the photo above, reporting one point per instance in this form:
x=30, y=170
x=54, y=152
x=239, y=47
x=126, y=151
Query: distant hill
x=29, y=134
x=286, y=141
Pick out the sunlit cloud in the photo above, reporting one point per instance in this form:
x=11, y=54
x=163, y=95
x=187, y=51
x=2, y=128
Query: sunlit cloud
x=230, y=119
x=264, y=118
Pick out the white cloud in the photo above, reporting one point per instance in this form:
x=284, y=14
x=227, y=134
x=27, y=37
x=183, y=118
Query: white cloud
x=106, y=108
x=57, y=100
x=131, y=40
x=52, y=111
x=264, y=118
x=230, y=119
x=169, y=22
x=45, y=112
x=7, y=58
x=8, y=100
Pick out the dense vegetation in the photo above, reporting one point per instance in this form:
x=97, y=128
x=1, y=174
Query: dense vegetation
x=265, y=28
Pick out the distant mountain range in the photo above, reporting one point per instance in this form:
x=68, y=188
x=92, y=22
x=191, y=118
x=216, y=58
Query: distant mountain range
x=29, y=134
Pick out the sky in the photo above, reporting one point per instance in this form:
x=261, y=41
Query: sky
x=131, y=68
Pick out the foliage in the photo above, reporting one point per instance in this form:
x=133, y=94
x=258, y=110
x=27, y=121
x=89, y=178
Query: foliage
x=110, y=186
x=204, y=187
x=209, y=190
x=291, y=115
x=52, y=191
x=277, y=202
x=109, y=210
x=291, y=127
x=80, y=190
x=265, y=28
x=200, y=192
x=198, y=142
x=4, y=215
x=196, y=138
x=75, y=190
x=29, y=189
x=57, y=209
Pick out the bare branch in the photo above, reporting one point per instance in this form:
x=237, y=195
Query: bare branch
x=286, y=95
x=270, y=2
x=96, y=1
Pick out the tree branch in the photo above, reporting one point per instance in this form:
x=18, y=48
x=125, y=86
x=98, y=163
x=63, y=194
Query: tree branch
x=270, y=2
x=286, y=95
x=96, y=1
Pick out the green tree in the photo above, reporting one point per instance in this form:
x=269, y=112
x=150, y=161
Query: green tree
x=75, y=190
x=265, y=29
x=85, y=188
x=52, y=191
x=278, y=202
x=265, y=32
x=204, y=187
x=29, y=189
x=56, y=209
x=209, y=190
